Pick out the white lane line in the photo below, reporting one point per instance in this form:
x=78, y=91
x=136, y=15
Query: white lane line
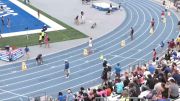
x=124, y=27
x=60, y=65
x=68, y=57
x=126, y=57
x=18, y=95
x=161, y=33
x=76, y=66
x=73, y=73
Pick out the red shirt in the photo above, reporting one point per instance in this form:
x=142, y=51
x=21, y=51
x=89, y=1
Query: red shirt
x=154, y=54
x=108, y=90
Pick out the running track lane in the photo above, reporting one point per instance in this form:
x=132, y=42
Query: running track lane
x=85, y=71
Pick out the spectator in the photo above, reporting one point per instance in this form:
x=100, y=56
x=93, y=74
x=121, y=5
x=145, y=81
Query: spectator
x=151, y=69
x=126, y=81
x=173, y=89
x=176, y=76
x=104, y=76
x=118, y=70
x=105, y=63
x=69, y=96
x=150, y=82
x=119, y=86
x=61, y=97
x=109, y=91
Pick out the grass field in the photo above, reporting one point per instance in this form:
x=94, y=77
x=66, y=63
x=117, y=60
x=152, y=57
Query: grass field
x=56, y=36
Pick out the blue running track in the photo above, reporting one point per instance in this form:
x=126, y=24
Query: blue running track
x=86, y=70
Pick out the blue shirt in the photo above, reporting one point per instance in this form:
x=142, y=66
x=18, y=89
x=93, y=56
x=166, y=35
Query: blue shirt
x=66, y=65
x=119, y=86
x=26, y=49
x=117, y=69
x=151, y=69
x=62, y=98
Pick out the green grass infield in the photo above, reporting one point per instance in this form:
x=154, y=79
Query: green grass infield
x=55, y=36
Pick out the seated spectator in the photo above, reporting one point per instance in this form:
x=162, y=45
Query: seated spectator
x=173, y=89
x=150, y=82
x=109, y=91
x=124, y=96
x=132, y=90
x=119, y=87
x=126, y=81
x=176, y=76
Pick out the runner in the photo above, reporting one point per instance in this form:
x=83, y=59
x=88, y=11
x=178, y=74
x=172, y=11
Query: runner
x=152, y=24
x=162, y=45
x=39, y=59
x=66, y=69
x=162, y=15
x=131, y=33
x=90, y=45
x=154, y=55
x=179, y=25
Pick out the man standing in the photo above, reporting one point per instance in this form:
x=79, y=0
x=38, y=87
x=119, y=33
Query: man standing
x=118, y=70
x=2, y=20
x=131, y=33
x=66, y=69
x=152, y=24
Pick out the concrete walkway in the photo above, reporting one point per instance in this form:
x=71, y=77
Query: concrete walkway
x=67, y=10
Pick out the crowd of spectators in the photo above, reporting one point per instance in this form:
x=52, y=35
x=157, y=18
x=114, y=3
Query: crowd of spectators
x=158, y=80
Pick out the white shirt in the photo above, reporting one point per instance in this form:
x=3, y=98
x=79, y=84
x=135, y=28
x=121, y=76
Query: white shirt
x=90, y=43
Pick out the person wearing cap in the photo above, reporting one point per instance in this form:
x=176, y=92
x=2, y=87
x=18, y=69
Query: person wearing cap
x=66, y=69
